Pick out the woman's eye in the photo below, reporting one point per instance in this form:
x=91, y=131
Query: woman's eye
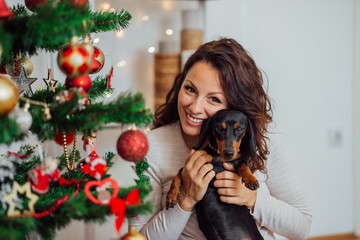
x=215, y=99
x=189, y=89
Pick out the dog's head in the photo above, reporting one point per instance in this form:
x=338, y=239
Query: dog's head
x=226, y=130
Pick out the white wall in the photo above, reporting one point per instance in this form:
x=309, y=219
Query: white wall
x=306, y=50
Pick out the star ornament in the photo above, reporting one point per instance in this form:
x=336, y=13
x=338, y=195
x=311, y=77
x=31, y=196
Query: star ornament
x=50, y=82
x=10, y=199
x=24, y=83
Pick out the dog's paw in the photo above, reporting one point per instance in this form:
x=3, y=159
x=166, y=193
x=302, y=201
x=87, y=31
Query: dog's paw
x=250, y=182
x=172, y=197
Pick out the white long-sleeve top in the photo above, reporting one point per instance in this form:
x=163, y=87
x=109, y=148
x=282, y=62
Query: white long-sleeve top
x=281, y=205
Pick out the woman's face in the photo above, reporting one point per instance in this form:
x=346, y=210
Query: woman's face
x=200, y=97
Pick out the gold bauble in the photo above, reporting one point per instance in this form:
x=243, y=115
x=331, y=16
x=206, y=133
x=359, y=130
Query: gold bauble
x=14, y=68
x=133, y=235
x=9, y=95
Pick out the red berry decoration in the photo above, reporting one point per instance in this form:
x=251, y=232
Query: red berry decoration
x=98, y=61
x=82, y=81
x=75, y=59
x=132, y=145
x=59, y=138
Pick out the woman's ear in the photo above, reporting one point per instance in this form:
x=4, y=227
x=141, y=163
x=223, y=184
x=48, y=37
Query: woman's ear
x=204, y=133
x=252, y=140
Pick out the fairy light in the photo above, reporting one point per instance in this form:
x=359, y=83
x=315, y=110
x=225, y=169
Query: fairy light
x=151, y=49
x=105, y=6
x=167, y=5
x=96, y=40
x=112, y=10
x=169, y=32
x=145, y=18
x=119, y=34
x=121, y=63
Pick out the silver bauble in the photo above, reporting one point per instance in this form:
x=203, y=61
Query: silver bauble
x=23, y=118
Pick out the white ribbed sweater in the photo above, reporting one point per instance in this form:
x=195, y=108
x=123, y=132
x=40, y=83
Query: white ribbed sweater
x=281, y=206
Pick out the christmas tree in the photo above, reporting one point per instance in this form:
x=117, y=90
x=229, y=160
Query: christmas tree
x=42, y=193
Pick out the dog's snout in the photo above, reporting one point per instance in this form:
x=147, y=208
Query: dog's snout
x=228, y=154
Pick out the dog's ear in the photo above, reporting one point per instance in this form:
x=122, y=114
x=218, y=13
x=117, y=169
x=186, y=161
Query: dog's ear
x=252, y=140
x=204, y=133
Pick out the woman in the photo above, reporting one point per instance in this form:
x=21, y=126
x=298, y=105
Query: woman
x=220, y=75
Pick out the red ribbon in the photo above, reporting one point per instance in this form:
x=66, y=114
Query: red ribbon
x=64, y=182
x=108, y=85
x=15, y=154
x=118, y=206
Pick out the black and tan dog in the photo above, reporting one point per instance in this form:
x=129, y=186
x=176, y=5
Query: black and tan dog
x=226, y=130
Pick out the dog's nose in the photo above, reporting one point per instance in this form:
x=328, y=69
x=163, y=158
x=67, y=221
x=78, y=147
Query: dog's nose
x=228, y=154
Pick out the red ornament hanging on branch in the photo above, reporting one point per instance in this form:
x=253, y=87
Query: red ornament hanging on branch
x=132, y=145
x=68, y=139
x=81, y=81
x=98, y=61
x=5, y=12
x=75, y=59
x=32, y=4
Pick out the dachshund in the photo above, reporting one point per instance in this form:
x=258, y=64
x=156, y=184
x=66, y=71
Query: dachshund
x=225, y=131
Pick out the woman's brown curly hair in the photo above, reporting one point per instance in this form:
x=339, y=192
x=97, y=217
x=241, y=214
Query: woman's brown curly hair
x=242, y=84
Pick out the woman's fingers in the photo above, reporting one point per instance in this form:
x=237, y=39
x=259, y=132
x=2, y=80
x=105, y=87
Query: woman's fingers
x=225, y=183
x=226, y=175
x=193, y=156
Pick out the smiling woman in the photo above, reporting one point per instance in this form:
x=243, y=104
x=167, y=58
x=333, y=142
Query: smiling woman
x=200, y=97
x=220, y=75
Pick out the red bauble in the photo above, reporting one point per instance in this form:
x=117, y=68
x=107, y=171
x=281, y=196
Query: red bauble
x=132, y=145
x=75, y=59
x=32, y=4
x=5, y=12
x=59, y=138
x=2, y=69
x=78, y=3
x=98, y=61
x=82, y=81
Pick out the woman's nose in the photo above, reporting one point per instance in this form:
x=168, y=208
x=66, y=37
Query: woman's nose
x=197, y=106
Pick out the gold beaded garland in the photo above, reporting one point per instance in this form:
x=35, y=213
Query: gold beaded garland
x=70, y=165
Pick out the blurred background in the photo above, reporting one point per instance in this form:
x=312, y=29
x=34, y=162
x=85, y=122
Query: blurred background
x=309, y=53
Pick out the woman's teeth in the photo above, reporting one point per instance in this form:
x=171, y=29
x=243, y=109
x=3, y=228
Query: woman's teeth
x=194, y=119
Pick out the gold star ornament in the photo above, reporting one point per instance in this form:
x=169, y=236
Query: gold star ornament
x=10, y=199
x=50, y=82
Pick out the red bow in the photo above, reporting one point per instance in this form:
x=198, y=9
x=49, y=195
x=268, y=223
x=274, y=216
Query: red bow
x=118, y=206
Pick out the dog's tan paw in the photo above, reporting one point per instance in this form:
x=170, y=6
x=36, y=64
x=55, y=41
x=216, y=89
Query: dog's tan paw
x=172, y=197
x=250, y=182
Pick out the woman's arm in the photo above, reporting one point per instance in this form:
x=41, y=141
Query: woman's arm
x=162, y=223
x=281, y=204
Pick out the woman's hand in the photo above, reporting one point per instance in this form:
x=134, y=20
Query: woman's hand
x=196, y=175
x=232, y=190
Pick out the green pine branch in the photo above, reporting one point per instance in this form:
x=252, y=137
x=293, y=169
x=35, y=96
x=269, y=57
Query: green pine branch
x=52, y=26
x=76, y=207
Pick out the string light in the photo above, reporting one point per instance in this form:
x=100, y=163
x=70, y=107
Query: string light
x=96, y=40
x=105, y=6
x=119, y=34
x=169, y=32
x=151, y=49
x=122, y=63
x=145, y=18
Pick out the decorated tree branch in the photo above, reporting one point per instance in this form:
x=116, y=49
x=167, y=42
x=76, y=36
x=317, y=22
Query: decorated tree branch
x=42, y=193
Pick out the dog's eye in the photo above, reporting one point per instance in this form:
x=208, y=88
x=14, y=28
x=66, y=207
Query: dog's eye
x=219, y=128
x=240, y=129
